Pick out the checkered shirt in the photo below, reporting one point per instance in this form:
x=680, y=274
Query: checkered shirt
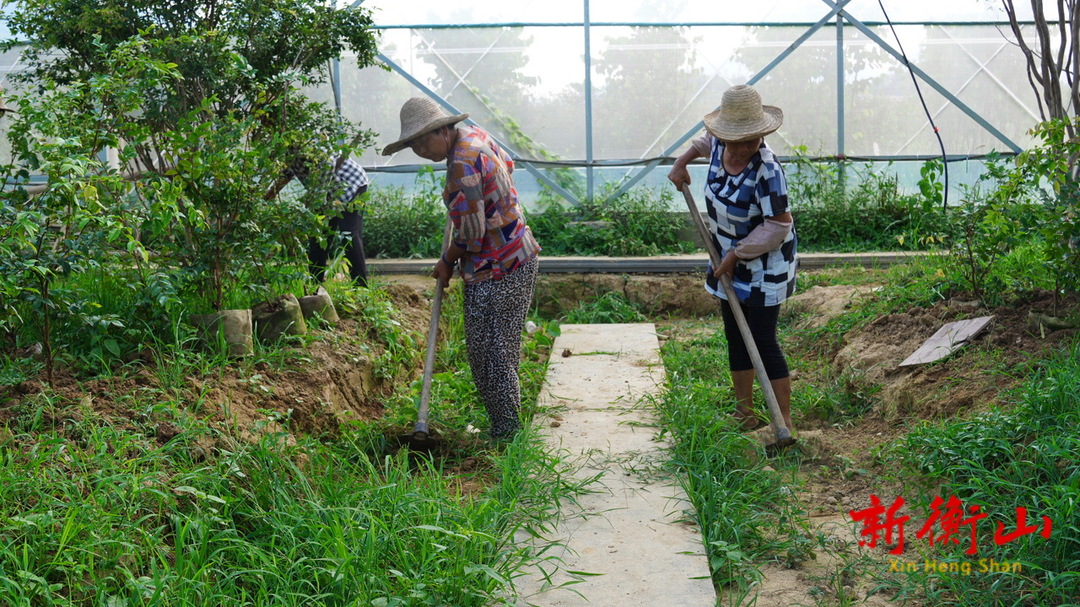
x=736, y=205
x=350, y=175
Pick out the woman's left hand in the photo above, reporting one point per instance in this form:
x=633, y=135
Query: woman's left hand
x=727, y=266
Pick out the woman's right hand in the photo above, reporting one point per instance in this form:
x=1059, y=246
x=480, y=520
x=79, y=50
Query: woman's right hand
x=679, y=176
x=443, y=271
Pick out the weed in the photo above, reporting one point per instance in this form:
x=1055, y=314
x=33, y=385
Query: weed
x=611, y=307
x=745, y=513
x=1005, y=460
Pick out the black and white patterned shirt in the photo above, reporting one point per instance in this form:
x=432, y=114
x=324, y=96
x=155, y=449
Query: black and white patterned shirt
x=736, y=205
x=353, y=177
x=349, y=174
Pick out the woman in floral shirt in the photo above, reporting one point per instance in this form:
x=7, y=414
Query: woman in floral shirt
x=492, y=245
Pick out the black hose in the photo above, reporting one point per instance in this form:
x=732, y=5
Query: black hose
x=944, y=159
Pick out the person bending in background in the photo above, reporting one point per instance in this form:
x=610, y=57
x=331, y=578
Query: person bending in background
x=349, y=182
x=747, y=203
x=492, y=247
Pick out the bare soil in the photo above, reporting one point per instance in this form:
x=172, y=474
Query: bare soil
x=323, y=383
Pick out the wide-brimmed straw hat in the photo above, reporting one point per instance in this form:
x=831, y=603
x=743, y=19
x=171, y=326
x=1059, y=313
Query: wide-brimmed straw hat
x=420, y=115
x=741, y=116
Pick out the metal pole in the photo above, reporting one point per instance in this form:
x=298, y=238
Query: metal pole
x=840, y=136
x=453, y=110
x=588, y=107
x=335, y=84
x=629, y=183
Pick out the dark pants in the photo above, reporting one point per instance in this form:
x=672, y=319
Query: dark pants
x=345, y=232
x=762, y=322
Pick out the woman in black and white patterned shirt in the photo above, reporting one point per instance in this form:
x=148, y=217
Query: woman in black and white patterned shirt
x=751, y=226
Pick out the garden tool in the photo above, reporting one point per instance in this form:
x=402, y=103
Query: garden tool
x=783, y=434
x=422, y=438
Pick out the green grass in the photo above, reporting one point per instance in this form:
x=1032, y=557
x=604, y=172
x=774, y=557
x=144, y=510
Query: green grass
x=260, y=524
x=94, y=511
x=611, y=307
x=1027, y=456
x=747, y=515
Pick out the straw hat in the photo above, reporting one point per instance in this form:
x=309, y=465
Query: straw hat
x=420, y=115
x=741, y=116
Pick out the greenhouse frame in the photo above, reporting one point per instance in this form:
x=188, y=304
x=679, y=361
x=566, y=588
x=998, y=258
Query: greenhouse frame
x=612, y=90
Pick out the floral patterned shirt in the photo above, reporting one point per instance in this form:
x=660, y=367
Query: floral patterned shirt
x=483, y=205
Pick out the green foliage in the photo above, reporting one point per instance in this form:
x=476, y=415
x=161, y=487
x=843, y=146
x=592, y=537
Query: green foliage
x=400, y=226
x=1046, y=175
x=638, y=223
x=846, y=207
x=837, y=398
x=611, y=307
x=1008, y=459
x=393, y=348
x=61, y=227
x=203, y=108
x=133, y=523
x=990, y=231
x=278, y=41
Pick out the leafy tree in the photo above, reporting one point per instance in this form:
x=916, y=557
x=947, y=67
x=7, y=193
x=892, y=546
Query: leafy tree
x=63, y=226
x=208, y=142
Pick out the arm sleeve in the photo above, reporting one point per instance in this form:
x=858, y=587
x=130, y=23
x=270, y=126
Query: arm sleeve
x=703, y=145
x=769, y=235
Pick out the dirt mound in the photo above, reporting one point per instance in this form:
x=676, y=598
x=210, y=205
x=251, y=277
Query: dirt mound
x=330, y=382
x=818, y=305
x=325, y=380
x=971, y=378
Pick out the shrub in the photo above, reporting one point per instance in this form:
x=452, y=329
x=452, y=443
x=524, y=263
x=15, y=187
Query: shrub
x=638, y=223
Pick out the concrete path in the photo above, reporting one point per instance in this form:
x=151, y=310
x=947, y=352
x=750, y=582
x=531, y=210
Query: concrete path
x=632, y=532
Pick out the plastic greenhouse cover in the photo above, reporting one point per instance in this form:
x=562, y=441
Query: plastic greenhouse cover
x=398, y=13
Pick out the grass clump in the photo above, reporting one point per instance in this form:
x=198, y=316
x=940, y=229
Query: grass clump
x=746, y=513
x=1004, y=460
x=262, y=524
x=611, y=307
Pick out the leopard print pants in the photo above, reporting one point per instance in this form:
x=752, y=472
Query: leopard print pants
x=495, y=313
